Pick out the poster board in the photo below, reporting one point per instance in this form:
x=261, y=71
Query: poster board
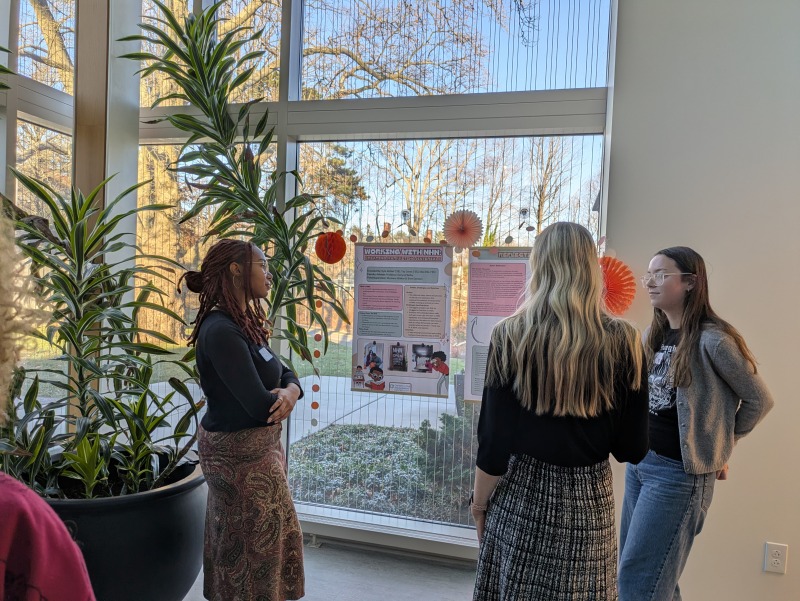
x=401, y=324
x=498, y=280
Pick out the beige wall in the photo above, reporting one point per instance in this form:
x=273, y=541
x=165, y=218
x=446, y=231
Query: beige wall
x=705, y=152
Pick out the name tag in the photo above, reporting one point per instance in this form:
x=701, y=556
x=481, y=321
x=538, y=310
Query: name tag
x=265, y=354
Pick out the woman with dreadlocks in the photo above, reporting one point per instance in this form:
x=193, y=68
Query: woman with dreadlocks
x=253, y=542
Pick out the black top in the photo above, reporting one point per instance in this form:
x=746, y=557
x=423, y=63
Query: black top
x=236, y=376
x=664, y=435
x=505, y=428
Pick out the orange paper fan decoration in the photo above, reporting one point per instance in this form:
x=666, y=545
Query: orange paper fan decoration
x=462, y=228
x=331, y=247
x=619, y=285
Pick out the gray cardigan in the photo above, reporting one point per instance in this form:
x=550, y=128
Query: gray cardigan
x=724, y=401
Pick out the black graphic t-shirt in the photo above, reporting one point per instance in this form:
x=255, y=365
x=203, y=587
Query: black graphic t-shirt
x=664, y=435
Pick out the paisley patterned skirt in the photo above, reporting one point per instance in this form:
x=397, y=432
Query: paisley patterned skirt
x=253, y=543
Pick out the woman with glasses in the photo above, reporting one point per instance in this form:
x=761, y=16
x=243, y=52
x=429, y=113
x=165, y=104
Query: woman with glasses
x=253, y=543
x=564, y=388
x=705, y=394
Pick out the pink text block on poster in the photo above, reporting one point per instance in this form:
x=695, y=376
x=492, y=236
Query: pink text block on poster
x=495, y=288
x=380, y=297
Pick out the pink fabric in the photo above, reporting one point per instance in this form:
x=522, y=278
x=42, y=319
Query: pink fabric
x=39, y=561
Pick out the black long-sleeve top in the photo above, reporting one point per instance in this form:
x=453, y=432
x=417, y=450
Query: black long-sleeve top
x=236, y=376
x=506, y=428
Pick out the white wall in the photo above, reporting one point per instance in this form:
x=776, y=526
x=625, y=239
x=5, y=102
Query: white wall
x=705, y=152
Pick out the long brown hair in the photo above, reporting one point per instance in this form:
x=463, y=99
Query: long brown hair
x=214, y=283
x=560, y=349
x=697, y=314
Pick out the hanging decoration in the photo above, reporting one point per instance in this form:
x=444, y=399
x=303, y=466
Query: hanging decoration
x=331, y=247
x=428, y=237
x=523, y=217
x=462, y=228
x=619, y=285
x=387, y=227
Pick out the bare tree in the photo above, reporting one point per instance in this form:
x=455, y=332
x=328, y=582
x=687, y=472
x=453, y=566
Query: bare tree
x=44, y=43
x=550, y=171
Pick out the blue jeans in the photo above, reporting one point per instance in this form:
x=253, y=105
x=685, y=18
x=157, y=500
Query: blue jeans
x=663, y=510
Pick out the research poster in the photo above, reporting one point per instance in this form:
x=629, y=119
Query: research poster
x=497, y=283
x=401, y=329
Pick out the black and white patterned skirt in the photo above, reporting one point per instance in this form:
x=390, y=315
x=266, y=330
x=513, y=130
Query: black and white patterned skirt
x=550, y=535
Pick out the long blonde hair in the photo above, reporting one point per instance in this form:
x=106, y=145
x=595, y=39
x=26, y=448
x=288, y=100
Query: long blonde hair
x=560, y=349
x=18, y=312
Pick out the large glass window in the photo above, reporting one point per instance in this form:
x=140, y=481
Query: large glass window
x=46, y=155
x=47, y=42
x=376, y=48
x=160, y=233
x=157, y=85
x=257, y=14
x=251, y=14
x=400, y=457
x=379, y=459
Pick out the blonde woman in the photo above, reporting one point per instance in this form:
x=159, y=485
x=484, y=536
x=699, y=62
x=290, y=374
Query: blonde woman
x=38, y=558
x=565, y=388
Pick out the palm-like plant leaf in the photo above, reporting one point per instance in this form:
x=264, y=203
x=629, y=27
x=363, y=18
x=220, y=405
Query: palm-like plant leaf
x=225, y=162
x=95, y=307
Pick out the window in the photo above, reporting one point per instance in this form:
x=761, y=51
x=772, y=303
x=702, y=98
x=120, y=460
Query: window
x=47, y=42
x=394, y=457
x=156, y=85
x=377, y=48
x=257, y=14
x=253, y=14
x=46, y=155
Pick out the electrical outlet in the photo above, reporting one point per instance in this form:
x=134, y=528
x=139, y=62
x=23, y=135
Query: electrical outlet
x=775, y=557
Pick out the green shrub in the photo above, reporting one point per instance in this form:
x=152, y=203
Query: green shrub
x=418, y=473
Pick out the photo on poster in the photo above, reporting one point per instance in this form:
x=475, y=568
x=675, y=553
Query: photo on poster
x=373, y=355
x=420, y=358
x=359, y=380
x=398, y=357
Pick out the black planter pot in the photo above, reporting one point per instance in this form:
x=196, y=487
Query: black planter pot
x=142, y=547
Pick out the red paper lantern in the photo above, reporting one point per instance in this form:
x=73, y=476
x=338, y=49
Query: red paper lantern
x=331, y=247
x=619, y=285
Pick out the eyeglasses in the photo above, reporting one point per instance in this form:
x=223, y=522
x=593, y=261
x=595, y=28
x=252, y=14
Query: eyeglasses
x=658, y=277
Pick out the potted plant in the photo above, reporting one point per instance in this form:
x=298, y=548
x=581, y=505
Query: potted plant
x=107, y=452
x=223, y=157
